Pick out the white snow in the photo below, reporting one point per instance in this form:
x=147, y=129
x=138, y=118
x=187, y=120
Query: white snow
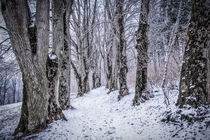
x=99, y=116
x=53, y=56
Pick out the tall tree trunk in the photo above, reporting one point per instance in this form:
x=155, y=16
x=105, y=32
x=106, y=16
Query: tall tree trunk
x=31, y=51
x=122, y=50
x=64, y=63
x=108, y=69
x=142, y=47
x=208, y=64
x=96, y=76
x=53, y=65
x=114, y=55
x=194, y=74
x=14, y=83
x=114, y=58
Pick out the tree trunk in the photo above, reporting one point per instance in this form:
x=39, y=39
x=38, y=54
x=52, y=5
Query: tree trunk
x=108, y=70
x=14, y=83
x=54, y=109
x=31, y=51
x=194, y=80
x=142, y=47
x=64, y=79
x=114, y=51
x=96, y=76
x=5, y=90
x=53, y=65
x=122, y=51
x=169, y=48
x=208, y=64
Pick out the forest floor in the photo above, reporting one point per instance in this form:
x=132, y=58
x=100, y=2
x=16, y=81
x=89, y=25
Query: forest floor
x=99, y=116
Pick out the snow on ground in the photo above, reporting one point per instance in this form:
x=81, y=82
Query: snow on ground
x=98, y=116
x=9, y=117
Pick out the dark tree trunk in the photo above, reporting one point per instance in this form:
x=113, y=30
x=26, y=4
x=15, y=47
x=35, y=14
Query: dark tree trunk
x=31, y=49
x=122, y=51
x=14, y=83
x=142, y=47
x=108, y=70
x=54, y=109
x=96, y=80
x=194, y=81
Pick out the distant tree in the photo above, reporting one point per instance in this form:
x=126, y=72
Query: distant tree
x=113, y=53
x=83, y=21
x=194, y=82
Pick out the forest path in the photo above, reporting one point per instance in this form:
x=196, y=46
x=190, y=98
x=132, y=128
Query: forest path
x=99, y=116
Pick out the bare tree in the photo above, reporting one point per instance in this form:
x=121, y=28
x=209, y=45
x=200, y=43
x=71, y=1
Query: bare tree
x=168, y=45
x=113, y=56
x=82, y=27
x=30, y=44
x=122, y=50
x=142, y=47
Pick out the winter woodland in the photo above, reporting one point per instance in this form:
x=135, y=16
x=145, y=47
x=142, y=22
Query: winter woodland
x=104, y=69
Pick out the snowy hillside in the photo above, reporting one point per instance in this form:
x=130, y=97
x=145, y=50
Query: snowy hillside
x=98, y=116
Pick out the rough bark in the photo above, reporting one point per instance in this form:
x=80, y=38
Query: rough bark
x=122, y=50
x=193, y=83
x=64, y=57
x=14, y=83
x=142, y=47
x=31, y=58
x=208, y=64
x=54, y=109
x=53, y=69
x=108, y=69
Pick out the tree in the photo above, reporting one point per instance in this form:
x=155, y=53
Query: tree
x=30, y=46
x=64, y=87
x=122, y=50
x=61, y=49
x=142, y=47
x=83, y=20
x=113, y=53
x=194, y=81
x=169, y=47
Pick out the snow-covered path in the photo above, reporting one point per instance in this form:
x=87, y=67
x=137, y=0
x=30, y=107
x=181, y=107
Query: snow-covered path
x=98, y=116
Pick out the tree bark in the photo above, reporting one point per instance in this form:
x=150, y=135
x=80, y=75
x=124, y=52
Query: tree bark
x=122, y=51
x=31, y=52
x=53, y=67
x=64, y=79
x=142, y=47
x=194, y=80
x=14, y=83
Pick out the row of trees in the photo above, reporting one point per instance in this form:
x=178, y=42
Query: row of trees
x=99, y=39
x=45, y=68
